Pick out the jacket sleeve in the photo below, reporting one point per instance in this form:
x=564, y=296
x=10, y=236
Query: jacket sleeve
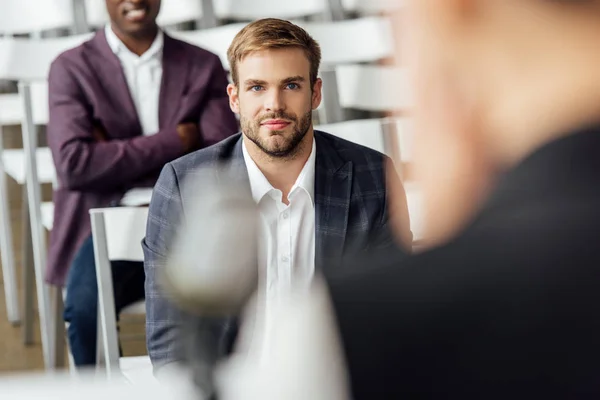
x=84, y=163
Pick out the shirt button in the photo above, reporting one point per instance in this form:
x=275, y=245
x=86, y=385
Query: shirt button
x=285, y=259
x=285, y=215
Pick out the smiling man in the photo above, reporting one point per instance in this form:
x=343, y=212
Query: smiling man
x=121, y=106
x=320, y=198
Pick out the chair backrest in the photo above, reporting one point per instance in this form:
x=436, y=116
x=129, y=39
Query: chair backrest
x=352, y=41
x=249, y=10
x=366, y=132
x=124, y=229
x=372, y=6
x=39, y=102
x=216, y=40
x=171, y=12
x=30, y=16
x=373, y=87
x=23, y=59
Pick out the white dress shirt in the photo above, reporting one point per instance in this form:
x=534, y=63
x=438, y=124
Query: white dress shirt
x=143, y=75
x=286, y=252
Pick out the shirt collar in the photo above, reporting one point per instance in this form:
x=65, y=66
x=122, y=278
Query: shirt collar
x=260, y=186
x=118, y=47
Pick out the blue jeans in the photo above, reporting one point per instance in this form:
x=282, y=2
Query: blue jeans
x=81, y=304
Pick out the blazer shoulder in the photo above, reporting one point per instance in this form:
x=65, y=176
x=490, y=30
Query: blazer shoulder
x=76, y=54
x=206, y=157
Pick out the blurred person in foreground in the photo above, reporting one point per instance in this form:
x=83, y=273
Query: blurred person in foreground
x=121, y=106
x=319, y=197
x=507, y=304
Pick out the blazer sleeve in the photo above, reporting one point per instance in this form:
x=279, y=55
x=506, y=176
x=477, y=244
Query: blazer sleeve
x=172, y=335
x=164, y=215
x=84, y=163
x=394, y=227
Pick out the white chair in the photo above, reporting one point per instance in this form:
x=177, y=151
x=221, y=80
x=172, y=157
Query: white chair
x=28, y=61
x=216, y=40
x=249, y=10
x=366, y=7
x=366, y=132
x=117, y=233
x=373, y=87
x=391, y=136
x=172, y=12
x=361, y=40
x=35, y=16
x=357, y=41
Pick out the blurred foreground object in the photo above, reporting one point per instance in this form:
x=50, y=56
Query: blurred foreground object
x=304, y=359
x=213, y=267
x=87, y=385
x=507, y=132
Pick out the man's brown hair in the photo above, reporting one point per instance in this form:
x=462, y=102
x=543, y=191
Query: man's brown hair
x=273, y=33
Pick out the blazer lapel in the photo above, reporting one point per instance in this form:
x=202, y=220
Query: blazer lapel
x=174, y=77
x=333, y=186
x=234, y=166
x=108, y=69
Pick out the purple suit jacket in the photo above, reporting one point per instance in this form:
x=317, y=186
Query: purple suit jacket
x=87, y=88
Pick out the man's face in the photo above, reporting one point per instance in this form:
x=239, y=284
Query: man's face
x=133, y=17
x=275, y=99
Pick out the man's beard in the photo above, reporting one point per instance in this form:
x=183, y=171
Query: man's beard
x=290, y=148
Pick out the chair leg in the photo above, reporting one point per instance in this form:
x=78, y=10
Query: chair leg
x=59, y=328
x=28, y=273
x=7, y=249
x=38, y=238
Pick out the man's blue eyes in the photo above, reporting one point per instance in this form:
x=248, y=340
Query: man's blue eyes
x=291, y=86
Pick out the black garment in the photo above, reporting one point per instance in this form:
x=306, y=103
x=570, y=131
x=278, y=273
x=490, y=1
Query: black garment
x=509, y=309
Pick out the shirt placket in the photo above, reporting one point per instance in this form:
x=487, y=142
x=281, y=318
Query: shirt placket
x=284, y=247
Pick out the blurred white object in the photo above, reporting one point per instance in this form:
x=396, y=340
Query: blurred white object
x=366, y=132
x=373, y=87
x=216, y=40
x=213, y=265
x=373, y=6
x=256, y=9
x=304, y=359
x=137, y=197
x=63, y=386
x=29, y=16
x=171, y=12
x=30, y=59
x=358, y=40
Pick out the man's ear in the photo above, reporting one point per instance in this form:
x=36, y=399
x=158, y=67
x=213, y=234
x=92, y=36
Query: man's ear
x=317, y=90
x=232, y=92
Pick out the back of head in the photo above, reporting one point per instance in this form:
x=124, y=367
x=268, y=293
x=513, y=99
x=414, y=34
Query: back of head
x=495, y=81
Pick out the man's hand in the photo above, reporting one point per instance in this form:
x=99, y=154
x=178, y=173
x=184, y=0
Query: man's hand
x=189, y=135
x=99, y=133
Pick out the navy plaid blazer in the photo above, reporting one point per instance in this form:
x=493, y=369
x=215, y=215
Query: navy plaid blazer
x=350, y=210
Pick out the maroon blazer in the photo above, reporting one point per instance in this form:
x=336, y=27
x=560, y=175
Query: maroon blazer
x=87, y=88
